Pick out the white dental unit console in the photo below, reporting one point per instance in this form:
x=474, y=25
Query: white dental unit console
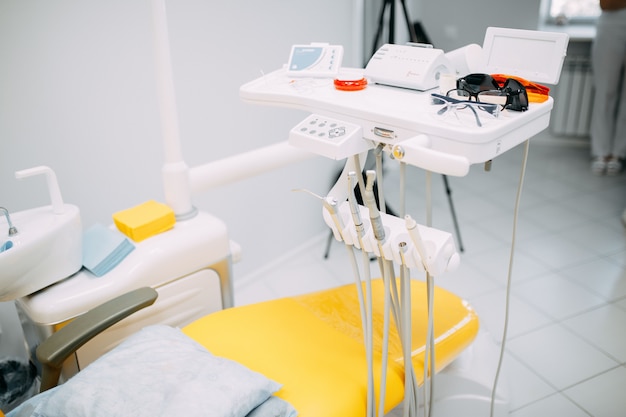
x=394, y=112
x=390, y=108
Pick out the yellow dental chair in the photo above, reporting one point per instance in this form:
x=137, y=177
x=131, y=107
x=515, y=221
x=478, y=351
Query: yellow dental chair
x=311, y=344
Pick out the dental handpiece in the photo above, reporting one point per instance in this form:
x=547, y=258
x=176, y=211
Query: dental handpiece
x=354, y=209
x=330, y=204
x=370, y=202
x=416, y=238
x=365, y=300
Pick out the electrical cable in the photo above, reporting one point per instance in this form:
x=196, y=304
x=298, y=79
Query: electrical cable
x=429, y=351
x=368, y=324
x=392, y=304
x=406, y=342
x=402, y=189
x=379, y=234
x=429, y=200
x=385, y=348
x=429, y=348
x=411, y=392
x=378, y=152
x=330, y=204
x=509, y=277
x=430, y=286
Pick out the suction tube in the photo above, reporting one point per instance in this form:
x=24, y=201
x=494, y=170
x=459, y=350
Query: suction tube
x=367, y=299
x=379, y=233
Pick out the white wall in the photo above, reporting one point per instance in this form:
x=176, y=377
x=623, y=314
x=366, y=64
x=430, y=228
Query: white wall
x=77, y=93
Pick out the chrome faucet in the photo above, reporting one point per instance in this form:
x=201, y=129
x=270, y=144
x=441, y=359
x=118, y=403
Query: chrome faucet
x=12, y=229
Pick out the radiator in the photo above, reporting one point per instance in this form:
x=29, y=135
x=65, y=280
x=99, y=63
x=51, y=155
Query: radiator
x=573, y=98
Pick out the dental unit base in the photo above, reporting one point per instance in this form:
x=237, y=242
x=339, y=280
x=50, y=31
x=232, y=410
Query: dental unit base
x=190, y=266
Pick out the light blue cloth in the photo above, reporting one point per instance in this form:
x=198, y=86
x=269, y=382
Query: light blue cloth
x=6, y=246
x=159, y=371
x=104, y=249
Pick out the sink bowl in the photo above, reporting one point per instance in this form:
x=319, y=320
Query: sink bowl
x=46, y=249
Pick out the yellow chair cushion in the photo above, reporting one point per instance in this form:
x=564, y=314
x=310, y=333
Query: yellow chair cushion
x=313, y=344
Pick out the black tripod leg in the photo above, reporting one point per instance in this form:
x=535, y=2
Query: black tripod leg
x=409, y=25
x=328, y=243
x=379, y=31
x=453, y=212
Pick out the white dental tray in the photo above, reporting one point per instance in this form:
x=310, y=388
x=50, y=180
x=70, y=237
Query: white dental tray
x=403, y=114
x=444, y=146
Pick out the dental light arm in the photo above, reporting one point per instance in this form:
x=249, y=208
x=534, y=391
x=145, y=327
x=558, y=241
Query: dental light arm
x=179, y=181
x=175, y=171
x=244, y=165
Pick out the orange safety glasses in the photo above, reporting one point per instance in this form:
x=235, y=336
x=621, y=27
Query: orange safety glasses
x=537, y=93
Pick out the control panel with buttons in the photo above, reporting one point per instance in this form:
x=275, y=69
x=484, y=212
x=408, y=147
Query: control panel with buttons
x=332, y=138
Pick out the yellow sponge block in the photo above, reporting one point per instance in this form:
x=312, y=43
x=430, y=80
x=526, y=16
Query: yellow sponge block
x=145, y=220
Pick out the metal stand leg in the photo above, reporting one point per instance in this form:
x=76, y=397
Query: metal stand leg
x=453, y=212
x=329, y=242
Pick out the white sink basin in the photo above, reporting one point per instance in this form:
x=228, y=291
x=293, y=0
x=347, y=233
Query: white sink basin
x=46, y=249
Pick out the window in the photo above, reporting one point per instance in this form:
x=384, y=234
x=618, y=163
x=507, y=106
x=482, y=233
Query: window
x=573, y=11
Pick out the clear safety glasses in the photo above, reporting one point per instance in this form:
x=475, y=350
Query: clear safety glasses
x=484, y=88
x=452, y=106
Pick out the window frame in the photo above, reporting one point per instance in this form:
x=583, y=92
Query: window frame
x=565, y=20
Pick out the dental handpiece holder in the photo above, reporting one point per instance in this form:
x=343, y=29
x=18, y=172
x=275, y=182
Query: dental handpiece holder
x=438, y=246
x=47, y=247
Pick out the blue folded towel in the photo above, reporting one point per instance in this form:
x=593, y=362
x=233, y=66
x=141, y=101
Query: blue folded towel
x=104, y=249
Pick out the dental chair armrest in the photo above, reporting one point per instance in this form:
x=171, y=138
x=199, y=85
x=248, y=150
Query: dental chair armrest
x=58, y=347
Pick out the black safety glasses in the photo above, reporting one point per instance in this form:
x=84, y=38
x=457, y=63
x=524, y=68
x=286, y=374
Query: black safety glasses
x=511, y=95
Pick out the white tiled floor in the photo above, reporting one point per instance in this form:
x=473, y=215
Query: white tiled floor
x=566, y=346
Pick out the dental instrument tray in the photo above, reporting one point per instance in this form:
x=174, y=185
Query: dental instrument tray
x=403, y=120
x=392, y=116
